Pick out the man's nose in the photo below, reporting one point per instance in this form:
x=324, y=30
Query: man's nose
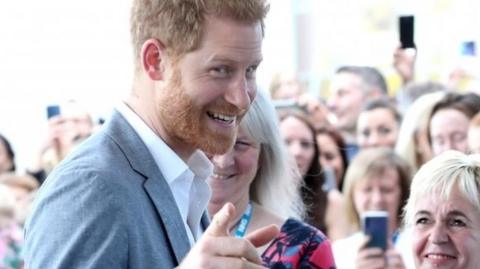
x=241, y=93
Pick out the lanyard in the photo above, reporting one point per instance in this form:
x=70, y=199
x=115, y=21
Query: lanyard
x=242, y=225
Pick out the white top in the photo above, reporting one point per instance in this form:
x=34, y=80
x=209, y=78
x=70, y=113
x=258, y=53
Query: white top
x=187, y=181
x=345, y=250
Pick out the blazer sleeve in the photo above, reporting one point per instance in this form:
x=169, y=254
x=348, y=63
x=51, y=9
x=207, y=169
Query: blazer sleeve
x=78, y=221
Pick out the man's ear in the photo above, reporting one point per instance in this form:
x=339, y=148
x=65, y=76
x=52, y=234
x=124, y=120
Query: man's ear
x=153, y=57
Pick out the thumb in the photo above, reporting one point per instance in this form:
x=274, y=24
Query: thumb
x=263, y=235
x=365, y=241
x=221, y=221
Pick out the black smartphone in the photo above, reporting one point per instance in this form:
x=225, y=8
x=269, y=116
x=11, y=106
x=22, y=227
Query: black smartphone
x=375, y=225
x=406, y=25
x=53, y=110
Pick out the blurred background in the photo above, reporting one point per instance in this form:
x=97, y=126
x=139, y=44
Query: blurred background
x=52, y=51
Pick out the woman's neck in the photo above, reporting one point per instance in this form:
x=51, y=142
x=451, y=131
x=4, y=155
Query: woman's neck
x=240, y=208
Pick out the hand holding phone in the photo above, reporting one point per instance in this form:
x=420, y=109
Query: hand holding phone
x=375, y=225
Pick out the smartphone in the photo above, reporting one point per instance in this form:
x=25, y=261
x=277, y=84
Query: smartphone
x=468, y=48
x=375, y=225
x=53, y=110
x=285, y=103
x=406, y=25
x=330, y=180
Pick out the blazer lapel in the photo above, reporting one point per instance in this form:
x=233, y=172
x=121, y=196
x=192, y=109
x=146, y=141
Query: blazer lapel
x=155, y=185
x=162, y=197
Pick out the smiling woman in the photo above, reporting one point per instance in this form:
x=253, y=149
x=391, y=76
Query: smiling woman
x=444, y=212
x=377, y=179
x=258, y=178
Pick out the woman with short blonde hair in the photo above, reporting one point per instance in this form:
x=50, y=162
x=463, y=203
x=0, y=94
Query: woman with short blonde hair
x=443, y=212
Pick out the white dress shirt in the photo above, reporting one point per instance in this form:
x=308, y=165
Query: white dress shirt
x=187, y=181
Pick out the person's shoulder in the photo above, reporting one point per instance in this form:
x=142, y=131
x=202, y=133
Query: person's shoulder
x=345, y=250
x=294, y=225
x=308, y=244
x=296, y=232
x=350, y=242
x=96, y=167
x=99, y=154
x=98, y=147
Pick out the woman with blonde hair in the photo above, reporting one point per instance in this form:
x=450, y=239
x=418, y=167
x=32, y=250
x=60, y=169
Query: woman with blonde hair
x=257, y=176
x=443, y=211
x=412, y=143
x=377, y=180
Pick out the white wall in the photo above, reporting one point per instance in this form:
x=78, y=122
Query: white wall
x=53, y=50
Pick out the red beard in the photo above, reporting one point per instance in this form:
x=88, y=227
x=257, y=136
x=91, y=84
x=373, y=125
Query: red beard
x=186, y=123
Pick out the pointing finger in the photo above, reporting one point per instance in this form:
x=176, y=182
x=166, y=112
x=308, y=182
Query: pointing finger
x=221, y=221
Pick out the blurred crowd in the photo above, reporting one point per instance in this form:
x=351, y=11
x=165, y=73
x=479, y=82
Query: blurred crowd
x=65, y=131
x=354, y=151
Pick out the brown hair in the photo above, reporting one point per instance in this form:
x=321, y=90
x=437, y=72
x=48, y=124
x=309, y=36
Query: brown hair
x=371, y=78
x=468, y=104
x=179, y=23
x=386, y=104
x=335, y=135
x=313, y=196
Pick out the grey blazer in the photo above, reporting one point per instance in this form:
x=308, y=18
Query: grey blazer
x=106, y=206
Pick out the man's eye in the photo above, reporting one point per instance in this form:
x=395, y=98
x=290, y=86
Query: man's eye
x=251, y=71
x=222, y=71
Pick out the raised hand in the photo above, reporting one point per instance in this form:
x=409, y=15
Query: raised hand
x=404, y=63
x=217, y=249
